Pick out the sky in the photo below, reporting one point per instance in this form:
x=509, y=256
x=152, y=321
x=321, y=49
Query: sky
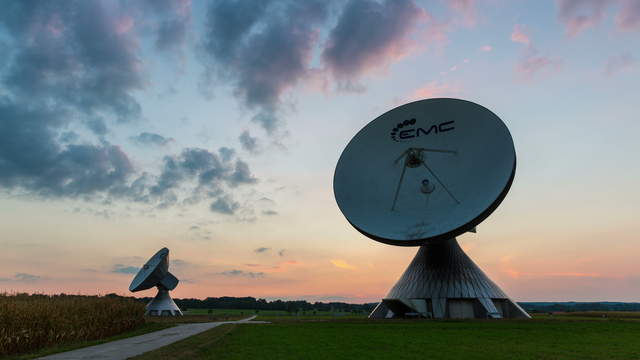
x=213, y=128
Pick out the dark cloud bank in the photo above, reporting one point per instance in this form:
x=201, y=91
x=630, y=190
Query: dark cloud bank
x=77, y=63
x=265, y=48
x=74, y=64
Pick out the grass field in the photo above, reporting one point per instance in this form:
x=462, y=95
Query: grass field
x=558, y=338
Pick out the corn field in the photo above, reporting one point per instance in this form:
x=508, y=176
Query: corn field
x=32, y=322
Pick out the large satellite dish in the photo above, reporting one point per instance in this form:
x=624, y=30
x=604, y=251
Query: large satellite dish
x=420, y=175
x=155, y=272
x=425, y=171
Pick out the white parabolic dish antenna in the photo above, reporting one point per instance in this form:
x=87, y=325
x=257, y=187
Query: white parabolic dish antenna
x=420, y=175
x=424, y=171
x=155, y=272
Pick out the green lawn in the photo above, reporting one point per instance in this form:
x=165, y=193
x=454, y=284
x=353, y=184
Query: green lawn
x=364, y=339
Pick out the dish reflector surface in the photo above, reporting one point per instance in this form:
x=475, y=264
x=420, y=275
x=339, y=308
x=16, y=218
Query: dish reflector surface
x=425, y=171
x=154, y=272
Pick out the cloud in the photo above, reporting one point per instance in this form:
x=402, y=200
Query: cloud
x=579, y=15
x=78, y=62
x=123, y=269
x=269, y=212
x=266, y=201
x=74, y=55
x=262, y=48
x=342, y=264
x=261, y=250
x=248, y=142
x=433, y=89
x=486, y=48
x=174, y=21
x=226, y=153
x=179, y=263
x=629, y=16
x=21, y=277
x=532, y=64
x=619, y=63
x=97, y=125
x=467, y=8
x=32, y=160
x=147, y=138
x=71, y=63
x=518, y=35
x=26, y=277
x=224, y=205
x=205, y=175
x=241, y=273
x=370, y=34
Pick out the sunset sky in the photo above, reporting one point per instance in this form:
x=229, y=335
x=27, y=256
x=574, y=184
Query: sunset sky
x=213, y=128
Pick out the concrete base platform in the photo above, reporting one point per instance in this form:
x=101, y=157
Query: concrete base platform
x=163, y=305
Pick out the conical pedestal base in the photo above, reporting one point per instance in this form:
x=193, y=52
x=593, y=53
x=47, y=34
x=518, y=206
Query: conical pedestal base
x=163, y=305
x=443, y=282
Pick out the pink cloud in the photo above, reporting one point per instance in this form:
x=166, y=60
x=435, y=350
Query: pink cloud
x=486, y=48
x=467, y=9
x=629, y=16
x=433, y=89
x=370, y=35
x=532, y=64
x=578, y=15
x=124, y=24
x=518, y=35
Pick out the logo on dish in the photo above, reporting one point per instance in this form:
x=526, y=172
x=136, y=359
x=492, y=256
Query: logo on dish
x=406, y=130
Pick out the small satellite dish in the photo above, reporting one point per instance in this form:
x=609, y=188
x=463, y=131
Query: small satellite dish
x=425, y=171
x=420, y=175
x=155, y=272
